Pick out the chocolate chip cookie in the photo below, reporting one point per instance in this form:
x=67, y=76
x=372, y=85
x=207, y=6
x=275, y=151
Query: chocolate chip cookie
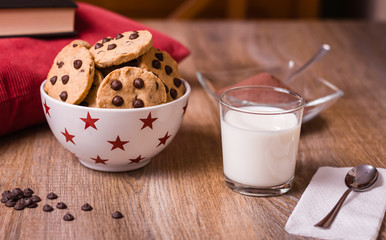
x=91, y=98
x=130, y=87
x=71, y=74
x=123, y=48
x=166, y=68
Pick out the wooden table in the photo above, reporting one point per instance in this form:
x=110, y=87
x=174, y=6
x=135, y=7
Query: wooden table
x=181, y=193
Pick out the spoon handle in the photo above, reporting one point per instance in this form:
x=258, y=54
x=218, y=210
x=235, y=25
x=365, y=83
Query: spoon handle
x=329, y=218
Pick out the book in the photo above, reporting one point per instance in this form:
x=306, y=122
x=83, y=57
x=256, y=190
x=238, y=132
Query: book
x=37, y=18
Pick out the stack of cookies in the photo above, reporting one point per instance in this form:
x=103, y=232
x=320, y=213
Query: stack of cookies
x=121, y=72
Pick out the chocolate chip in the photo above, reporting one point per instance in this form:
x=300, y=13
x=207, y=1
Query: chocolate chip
x=117, y=215
x=166, y=89
x=156, y=64
x=63, y=95
x=10, y=203
x=60, y=64
x=48, y=208
x=4, y=199
x=27, y=202
x=8, y=194
x=18, y=193
x=177, y=82
x=61, y=205
x=74, y=45
x=173, y=93
x=21, y=202
x=52, y=195
x=77, y=63
x=134, y=35
x=35, y=198
x=28, y=192
x=98, y=45
x=104, y=40
x=65, y=79
x=86, y=207
x=68, y=217
x=138, y=83
x=119, y=36
x=116, y=85
x=117, y=101
x=32, y=205
x=84, y=104
x=168, y=70
x=159, y=56
x=53, y=80
x=138, y=103
x=111, y=46
x=19, y=207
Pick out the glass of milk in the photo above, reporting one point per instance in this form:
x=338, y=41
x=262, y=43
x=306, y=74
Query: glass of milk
x=260, y=130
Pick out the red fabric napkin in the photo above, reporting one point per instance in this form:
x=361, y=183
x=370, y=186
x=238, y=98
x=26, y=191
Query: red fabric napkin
x=25, y=62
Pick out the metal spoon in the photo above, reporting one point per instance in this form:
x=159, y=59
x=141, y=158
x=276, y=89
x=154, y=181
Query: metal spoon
x=359, y=179
x=324, y=49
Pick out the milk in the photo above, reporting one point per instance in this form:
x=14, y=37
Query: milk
x=259, y=150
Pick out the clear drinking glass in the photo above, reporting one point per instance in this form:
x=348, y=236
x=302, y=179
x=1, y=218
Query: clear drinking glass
x=260, y=130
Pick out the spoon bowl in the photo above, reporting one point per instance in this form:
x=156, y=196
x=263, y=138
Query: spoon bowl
x=359, y=179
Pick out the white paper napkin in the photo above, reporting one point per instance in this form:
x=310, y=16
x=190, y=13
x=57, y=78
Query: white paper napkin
x=360, y=217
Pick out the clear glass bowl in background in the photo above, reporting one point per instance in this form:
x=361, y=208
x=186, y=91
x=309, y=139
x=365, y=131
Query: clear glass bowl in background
x=318, y=93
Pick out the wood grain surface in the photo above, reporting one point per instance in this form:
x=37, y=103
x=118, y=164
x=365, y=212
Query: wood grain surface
x=181, y=193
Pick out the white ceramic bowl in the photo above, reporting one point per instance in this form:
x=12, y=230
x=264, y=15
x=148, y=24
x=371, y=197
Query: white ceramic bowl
x=114, y=140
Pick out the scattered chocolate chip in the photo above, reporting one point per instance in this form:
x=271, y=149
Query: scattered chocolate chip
x=35, y=198
x=53, y=80
x=159, y=56
x=8, y=194
x=138, y=83
x=77, y=63
x=156, y=64
x=18, y=193
x=28, y=192
x=27, y=202
x=116, y=85
x=117, y=215
x=61, y=205
x=177, y=82
x=98, y=45
x=117, y=101
x=166, y=89
x=65, y=79
x=4, y=199
x=111, y=46
x=138, y=103
x=119, y=36
x=60, y=64
x=104, y=40
x=74, y=45
x=68, y=217
x=48, y=208
x=10, y=203
x=168, y=70
x=19, y=207
x=173, y=93
x=52, y=195
x=134, y=35
x=84, y=104
x=32, y=205
x=63, y=95
x=86, y=207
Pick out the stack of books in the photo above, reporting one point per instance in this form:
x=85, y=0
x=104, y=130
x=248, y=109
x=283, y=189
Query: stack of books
x=37, y=18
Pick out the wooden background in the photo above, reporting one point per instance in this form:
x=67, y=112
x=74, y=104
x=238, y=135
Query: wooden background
x=181, y=193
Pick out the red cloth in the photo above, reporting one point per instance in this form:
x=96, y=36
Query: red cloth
x=25, y=62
